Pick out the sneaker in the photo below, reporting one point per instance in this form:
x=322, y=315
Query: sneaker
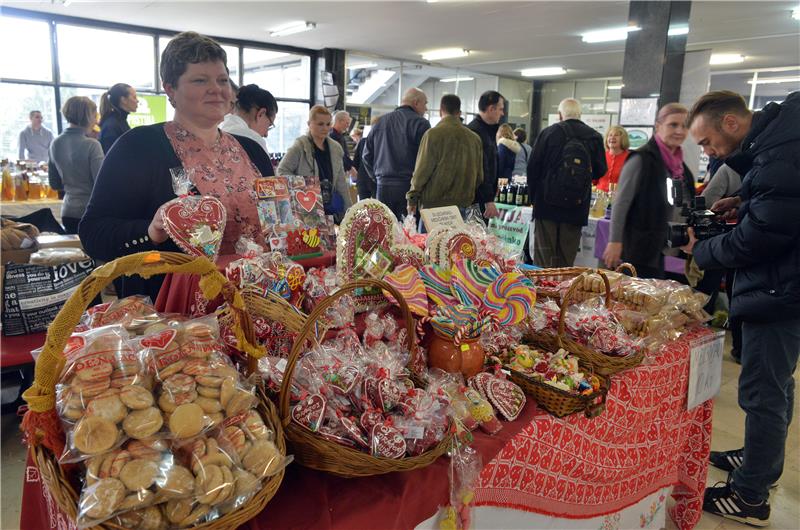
x=722, y=500
x=727, y=460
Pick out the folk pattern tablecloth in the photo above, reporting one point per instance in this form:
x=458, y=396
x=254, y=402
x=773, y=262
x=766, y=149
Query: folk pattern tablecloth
x=646, y=439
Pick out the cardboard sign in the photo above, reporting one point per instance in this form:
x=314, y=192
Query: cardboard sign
x=445, y=216
x=705, y=369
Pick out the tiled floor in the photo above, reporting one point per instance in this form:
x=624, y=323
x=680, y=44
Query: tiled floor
x=727, y=434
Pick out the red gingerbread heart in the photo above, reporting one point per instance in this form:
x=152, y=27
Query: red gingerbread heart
x=507, y=397
x=389, y=394
x=195, y=224
x=306, y=199
x=387, y=442
x=371, y=418
x=310, y=412
x=354, y=431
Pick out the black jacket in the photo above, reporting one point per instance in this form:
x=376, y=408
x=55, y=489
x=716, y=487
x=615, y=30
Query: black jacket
x=113, y=126
x=134, y=181
x=764, y=248
x=487, y=191
x=390, y=151
x=339, y=137
x=546, y=157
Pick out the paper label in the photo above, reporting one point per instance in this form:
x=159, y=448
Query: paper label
x=705, y=369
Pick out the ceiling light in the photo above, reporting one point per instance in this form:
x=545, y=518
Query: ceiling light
x=796, y=13
x=615, y=87
x=361, y=66
x=774, y=80
x=678, y=30
x=608, y=35
x=445, y=53
x=541, y=72
x=726, y=58
x=455, y=79
x=291, y=28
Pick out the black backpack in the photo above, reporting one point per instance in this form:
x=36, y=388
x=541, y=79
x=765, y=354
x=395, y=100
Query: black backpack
x=569, y=184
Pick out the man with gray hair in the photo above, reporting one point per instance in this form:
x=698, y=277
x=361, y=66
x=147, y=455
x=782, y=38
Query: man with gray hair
x=341, y=124
x=390, y=149
x=567, y=157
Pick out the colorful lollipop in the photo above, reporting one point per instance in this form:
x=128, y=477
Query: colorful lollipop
x=468, y=282
x=510, y=297
x=437, y=285
x=407, y=281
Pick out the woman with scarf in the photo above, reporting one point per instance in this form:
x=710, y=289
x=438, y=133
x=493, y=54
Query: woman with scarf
x=654, y=185
x=115, y=105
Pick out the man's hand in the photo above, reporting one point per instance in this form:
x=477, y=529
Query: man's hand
x=688, y=247
x=490, y=210
x=727, y=207
x=156, y=231
x=412, y=209
x=612, y=255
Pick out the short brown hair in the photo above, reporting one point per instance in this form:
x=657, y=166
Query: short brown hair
x=187, y=48
x=79, y=110
x=520, y=135
x=716, y=104
x=625, y=142
x=318, y=110
x=451, y=104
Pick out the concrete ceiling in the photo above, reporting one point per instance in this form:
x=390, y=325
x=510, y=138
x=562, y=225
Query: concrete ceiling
x=504, y=37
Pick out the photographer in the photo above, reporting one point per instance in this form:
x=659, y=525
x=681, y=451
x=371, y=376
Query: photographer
x=764, y=249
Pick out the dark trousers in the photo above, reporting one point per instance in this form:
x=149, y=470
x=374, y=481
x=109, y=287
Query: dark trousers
x=365, y=186
x=394, y=196
x=555, y=244
x=766, y=394
x=734, y=325
x=70, y=224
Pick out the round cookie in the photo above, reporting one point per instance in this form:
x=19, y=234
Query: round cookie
x=94, y=435
x=89, y=389
x=136, y=397
x=92, y=367
x=139, y=474
x=144, y=450
x=246, y=482
x=143, y=423
x=235, y=438
x=187, y=420
x=178, y=384
x=262, y=459
x=179, y=482
x=208, y=391
x=255, y=425
x=177, y=510
x=208, y=484
x=103, y=499
x=107, y=407
x=172, y=369
x=122, y=381
x=137, y=500
x=240, y=401
x=199, y=512
x=208, y=405
x=226, y=390
x=196, y=367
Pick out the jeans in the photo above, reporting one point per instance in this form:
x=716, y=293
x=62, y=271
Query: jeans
x=766, y=394
x=394, y=196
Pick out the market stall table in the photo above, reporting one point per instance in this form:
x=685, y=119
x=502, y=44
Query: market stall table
x=572, y=468
x=22, y=208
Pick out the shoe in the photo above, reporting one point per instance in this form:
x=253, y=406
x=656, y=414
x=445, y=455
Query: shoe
x=736, y=355
x=722, y=500
x=727, y=460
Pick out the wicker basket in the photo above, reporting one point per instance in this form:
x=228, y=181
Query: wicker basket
x=601, y=363
x=310, y=449
x=557, y=274
x=560, y=402
x=41, y=396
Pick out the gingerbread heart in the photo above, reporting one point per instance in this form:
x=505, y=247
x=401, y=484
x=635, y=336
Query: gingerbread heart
x=480, y=382
x=506, y=397
x=310, y=412
x=195, y=224
x=354, y=431
x=370, y=418
x=389, y=394
x=336, y=436
x=387, y=442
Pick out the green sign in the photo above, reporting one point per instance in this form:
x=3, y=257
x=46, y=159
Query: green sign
x=512, y=226
x=152, y=109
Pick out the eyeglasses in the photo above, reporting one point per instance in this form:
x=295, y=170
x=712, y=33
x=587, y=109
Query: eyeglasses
x=271, y=122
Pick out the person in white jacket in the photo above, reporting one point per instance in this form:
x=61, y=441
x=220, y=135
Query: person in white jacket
x=253, y=115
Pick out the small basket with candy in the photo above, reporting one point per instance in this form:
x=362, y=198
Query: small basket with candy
x=558, y=382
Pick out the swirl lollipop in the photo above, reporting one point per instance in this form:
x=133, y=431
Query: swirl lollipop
x=468, y=282
x=510, y=297
x=437, y=285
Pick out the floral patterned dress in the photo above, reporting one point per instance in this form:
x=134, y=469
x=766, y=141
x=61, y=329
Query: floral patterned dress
x=223, y=171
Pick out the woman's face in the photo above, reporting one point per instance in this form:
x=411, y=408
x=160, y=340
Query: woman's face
x=320, y=126
x=672, y=130
x=261, y=122
x=614, y=140
x=130, y=102
x=202, y=94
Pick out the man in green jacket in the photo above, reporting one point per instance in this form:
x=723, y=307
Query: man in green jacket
x=449, y=163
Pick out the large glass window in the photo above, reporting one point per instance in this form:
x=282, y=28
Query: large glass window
x=16, y=103
x=103, y=57
x=232, y=53
x=290, y=123
x=285, y=75
x=33, y=62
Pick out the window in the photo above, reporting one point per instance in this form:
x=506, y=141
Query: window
x=16, y=102
x=35, y=63
x=231, y=51
x=102, y=57
x=290, y=123
x=285, y=75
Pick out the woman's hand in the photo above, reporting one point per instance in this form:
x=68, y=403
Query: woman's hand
x=156, y=231
x=612, y=255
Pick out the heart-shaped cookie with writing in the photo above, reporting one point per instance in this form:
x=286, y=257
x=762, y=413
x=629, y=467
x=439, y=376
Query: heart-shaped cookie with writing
x=310, y=412
x=387, y=442
x=306, y=199
x=506, y=397
x=195, y=224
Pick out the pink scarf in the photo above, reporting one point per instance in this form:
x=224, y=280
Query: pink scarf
x=673, y=161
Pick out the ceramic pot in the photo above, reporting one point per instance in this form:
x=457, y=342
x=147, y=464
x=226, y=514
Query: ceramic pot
x=466, y=358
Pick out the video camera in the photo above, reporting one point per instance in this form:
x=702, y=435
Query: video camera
x=706, y=224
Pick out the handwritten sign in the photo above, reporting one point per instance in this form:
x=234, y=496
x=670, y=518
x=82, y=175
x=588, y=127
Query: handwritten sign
x=445, y=216
x=705, y=369
x=512, y=226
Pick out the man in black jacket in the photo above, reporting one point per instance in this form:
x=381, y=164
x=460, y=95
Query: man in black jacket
x=491, y=108
x=558, y=223
x=764, y=250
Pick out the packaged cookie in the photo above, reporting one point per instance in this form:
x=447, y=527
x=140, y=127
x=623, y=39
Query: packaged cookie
x=133, y=312
x=104, y=396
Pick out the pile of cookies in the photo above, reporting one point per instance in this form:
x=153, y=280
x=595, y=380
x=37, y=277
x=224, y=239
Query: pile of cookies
x=167, y=429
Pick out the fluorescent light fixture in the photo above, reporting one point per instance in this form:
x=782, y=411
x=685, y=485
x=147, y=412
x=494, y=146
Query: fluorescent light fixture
x=726, y=58
x=796, y=13
x=445, y=53
x=291, y=28
x=775, y=80
x=455, y=79
x=608, y=35
x=678, y=30
x=615, y=87
x=361, y=66
x=654, y=95
x=545, y=71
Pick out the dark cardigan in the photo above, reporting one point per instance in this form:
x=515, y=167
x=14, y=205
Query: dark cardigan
x=111, y=128
x=134, y=181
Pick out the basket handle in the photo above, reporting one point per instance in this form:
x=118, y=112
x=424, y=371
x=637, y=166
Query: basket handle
x=629, y=266
x=41, y=395
x=308, y=329
x=570, y=294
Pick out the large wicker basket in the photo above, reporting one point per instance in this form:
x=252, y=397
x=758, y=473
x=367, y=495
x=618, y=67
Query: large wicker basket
x=601, y=363
x=310, y=449
x=560, y=402
x=40, y=421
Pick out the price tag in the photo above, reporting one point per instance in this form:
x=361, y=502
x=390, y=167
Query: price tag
x=705, y=369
